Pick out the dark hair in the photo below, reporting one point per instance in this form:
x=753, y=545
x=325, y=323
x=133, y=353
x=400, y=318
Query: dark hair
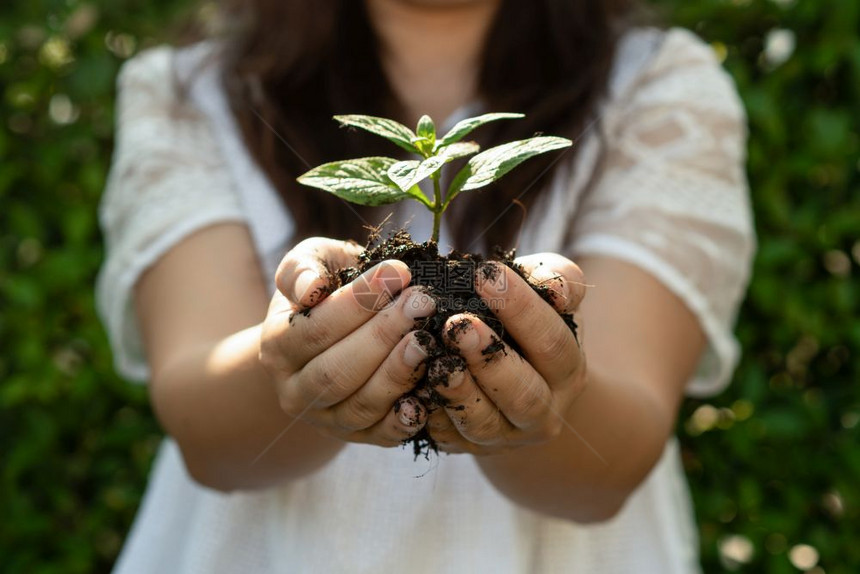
x=290, y=65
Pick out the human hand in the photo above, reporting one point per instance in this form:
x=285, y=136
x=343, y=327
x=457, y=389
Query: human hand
x=343, y=360
x=500, y=399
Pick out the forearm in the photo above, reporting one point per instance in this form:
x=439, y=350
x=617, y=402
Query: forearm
x=219, y=404
x=615, y=433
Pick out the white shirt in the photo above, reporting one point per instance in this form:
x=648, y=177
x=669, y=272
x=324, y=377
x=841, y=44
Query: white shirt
x=658, y=182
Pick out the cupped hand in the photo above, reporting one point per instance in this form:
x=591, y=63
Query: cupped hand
x=344, y=360
x=500, y=398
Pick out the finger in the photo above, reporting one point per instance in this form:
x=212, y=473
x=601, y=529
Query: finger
x=445, y=434
x=560, y=278
x=544, y=337
x=402, y=422
x=307, y=334
x=397, y=375
x=509, y=382
x=340, y=370
x=274, y=326
x=449, y=440
x=474, y=415
x=305, y=275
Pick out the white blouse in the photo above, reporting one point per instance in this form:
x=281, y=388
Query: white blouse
x=658, y=181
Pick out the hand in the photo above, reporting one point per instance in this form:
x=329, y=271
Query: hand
x=342, y=361
x=502, y=399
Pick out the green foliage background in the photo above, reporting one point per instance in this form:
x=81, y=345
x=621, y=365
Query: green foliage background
x=773, y=463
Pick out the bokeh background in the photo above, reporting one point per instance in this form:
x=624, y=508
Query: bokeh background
x=774, y=462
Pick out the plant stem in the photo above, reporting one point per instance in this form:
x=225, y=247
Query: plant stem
x=438, y=207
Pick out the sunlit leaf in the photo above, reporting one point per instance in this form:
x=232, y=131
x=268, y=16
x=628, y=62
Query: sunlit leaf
x=406, y=174
x=389, y=129
x=363, y=181
x=463, y=128
x=492, y=164
x=460, y=149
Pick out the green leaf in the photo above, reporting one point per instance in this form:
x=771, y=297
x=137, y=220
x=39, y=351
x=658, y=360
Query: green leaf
x=389, y=129
x=426, y=136
x=492, y=164
x=460, y=149
x=463, y=128
x=363, y=181
x=407, y=174
x=426, y=129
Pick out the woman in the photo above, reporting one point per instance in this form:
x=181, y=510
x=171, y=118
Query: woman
x=276, y=420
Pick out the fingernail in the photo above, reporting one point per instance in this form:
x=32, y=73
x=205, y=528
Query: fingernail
x=410, y=411
x=455, y=379
x=305, y=283
x=414, y=353
x=490, y=276
x=375, y=289
x=389, y=277
x=464, y=334
x=544, y=276
x=418, y=305
x=542, y=273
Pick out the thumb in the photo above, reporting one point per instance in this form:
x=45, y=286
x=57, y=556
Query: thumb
x=562, y=279
x=306, y=274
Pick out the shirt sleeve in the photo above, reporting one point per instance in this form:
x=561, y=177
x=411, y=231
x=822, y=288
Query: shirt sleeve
x=167, y=180
x=671, y=194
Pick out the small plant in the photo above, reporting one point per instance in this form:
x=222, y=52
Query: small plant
x=449, y=279
x=383, y=180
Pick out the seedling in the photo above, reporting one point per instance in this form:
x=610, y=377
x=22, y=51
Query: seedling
x=383, y=180
x=448, y=279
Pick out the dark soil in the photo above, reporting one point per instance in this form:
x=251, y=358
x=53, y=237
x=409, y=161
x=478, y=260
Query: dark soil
x=451, y=281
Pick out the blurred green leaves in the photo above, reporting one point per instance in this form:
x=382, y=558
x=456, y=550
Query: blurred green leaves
x=76, y=442
x=787, y=475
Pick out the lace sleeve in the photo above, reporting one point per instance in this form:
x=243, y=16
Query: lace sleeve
x=167, y=180
x=671, y=194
